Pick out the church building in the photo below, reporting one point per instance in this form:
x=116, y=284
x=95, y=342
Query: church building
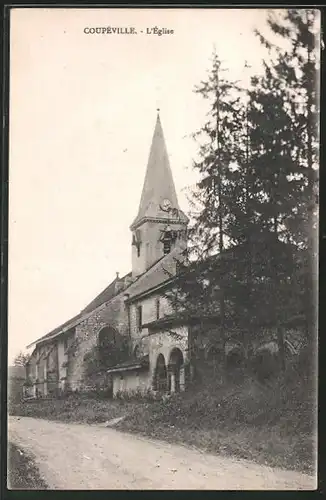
x=133, y=314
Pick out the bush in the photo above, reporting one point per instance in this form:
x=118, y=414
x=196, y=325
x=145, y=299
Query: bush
x=138, y=395
x=23, y=474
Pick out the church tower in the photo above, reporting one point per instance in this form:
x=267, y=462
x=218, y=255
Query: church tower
x=160, y=225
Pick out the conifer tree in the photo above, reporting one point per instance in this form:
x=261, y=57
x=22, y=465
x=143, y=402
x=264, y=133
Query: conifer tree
x=256, y=193
x=21, y=359
x=200, y=289
x=294, y=71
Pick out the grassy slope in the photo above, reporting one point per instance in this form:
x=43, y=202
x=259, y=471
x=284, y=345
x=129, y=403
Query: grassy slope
x=22, y=472
x=272, y=425
x=80, y=409
x=246, y=421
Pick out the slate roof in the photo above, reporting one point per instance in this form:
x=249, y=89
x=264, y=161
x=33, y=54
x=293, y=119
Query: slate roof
x=181, y=319
x=161, y=272
x=71, y=322
x=131, y=365
x=152, y=278
x=108, y=293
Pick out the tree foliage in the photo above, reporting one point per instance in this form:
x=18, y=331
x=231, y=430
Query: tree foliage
x=296, y=73
x=251, y=252
x=21, y=359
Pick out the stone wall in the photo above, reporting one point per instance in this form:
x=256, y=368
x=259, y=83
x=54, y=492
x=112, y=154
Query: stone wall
x=52, y=369
x=62, y=363
x=149, y=313
x=129, y=382
x=70, y=364
x=151, y=248
x=155, y=343
x=31, y=367
x=140, y=338
x=113, y=314
x=164, y=342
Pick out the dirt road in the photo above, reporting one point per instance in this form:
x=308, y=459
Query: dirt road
x=75, y=456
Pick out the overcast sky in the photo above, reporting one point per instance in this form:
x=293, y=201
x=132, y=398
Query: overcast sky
x=82, y=115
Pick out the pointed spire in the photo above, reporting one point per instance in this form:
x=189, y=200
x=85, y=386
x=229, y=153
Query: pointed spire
x=158, y=185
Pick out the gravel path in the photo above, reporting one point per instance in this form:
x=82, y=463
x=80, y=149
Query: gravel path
x=90, y=457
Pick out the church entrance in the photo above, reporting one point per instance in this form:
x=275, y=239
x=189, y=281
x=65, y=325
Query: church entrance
x=107, y=340
x=176, y=371
x=160, y=375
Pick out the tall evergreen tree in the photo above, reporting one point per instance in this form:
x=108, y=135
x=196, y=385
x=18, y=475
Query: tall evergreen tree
x=200, y=289
x=294, y=71
x=257, y=164
x=217, y=151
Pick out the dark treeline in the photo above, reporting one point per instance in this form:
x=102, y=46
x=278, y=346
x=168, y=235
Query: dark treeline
x=253, y=238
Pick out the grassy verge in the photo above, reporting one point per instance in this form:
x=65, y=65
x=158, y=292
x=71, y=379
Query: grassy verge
x=22, y=472
x=270, y=425
x=86, y=410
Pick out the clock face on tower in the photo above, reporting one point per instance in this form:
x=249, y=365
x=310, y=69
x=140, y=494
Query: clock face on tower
x=166, y=205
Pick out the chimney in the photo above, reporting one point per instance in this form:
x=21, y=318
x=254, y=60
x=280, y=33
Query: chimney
x=128, y=281
x=119, y=283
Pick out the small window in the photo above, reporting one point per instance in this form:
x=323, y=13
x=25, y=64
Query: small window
x=139, y=317
x=65, y=344
x=138, y=250
x=157, y=308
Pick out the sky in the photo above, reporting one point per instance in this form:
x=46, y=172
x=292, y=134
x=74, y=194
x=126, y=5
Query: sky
x=82, y=115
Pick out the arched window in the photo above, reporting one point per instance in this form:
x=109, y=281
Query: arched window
x=107, y=336
x=107, y=339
